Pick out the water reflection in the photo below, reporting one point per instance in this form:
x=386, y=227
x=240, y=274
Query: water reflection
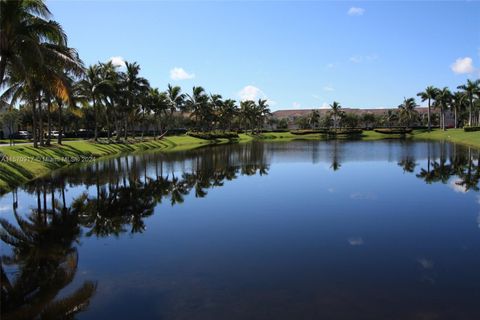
x=44, y=253
x=117, y=196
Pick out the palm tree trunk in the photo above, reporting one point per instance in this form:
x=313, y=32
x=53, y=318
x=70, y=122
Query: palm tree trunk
x=428, y=114
x=95, y=137
x=40, y=115
x=3, y=66
x=456, y=126
x=443, y=120
x=49, y=122
x=60, y=122
x=470, y=112
x=34, y=123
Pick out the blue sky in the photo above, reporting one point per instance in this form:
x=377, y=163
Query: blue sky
x=295, y=54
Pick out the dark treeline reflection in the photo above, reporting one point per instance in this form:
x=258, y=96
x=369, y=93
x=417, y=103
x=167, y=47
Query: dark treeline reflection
x=39, y=250
x=43, y=258
x=445, y=161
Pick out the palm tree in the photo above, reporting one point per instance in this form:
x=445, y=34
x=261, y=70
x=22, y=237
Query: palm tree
x=227, y=112
x=196, y=103
x=458, y=104
x=28, y=36
x=407, y=112
x=94, y=87
x=443, y=100
x=314, y=119
x=428, y=94
x=133, y=85
x=390, y=116
x=245, y=113
x=175, y=99
x=470, y=89
x=262, y=111
x=336, y=112
x=158, y=103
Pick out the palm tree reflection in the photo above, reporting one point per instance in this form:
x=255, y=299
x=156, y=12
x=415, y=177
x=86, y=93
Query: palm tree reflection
x=45, y=257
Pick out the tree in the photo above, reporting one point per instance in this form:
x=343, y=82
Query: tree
x=314, y=119
x=443, y=100
x=336, y=110
x=94, y=87
x=175, y=99
x=428, y=95
x=27, y=36
x=10, y=118
x=470, y=89
x=197, y=103
x=133, y=86
x=407, y=112
x=390, y=117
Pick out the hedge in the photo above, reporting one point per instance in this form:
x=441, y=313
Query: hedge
x=212, y=135
x=393, y=130
x=471, y=129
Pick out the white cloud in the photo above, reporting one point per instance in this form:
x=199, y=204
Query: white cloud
x=117, y=61
x=367, y=58
x=425, y=263
x=356, y=59
x=328, y=88
x=250, y=92
x=296, y=105
x=463, y=65
x=355, y=11
x=358, y=241
x=180, y=74
x=456, y=186
x=316, y=96
x=330, y=66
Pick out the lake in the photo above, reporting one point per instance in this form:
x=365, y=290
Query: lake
x=300, y=230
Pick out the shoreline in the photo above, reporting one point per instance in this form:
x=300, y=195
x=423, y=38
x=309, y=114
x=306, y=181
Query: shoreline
x=36, y=163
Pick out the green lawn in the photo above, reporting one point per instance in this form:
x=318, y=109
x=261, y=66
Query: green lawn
x=26, y=163
x=453, y=135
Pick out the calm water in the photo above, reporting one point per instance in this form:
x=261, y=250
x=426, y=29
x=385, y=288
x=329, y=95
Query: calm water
x=300, y=230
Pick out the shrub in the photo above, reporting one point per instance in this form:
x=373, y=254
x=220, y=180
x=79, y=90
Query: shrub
x=345, y=131
x=302, y=132
x=212, y=135
x=471, y=129
x=393, y=130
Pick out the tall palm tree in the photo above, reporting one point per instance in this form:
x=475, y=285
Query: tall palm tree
x=245, y=113
x=95, y=87
x=443, y=100
x=314, y=119
x=133, y=85
x=196, y=103
x=471, y=88
x=336, y=112
x=407, y=112
x=227, y=112
x=428, y=95
x=458, y=104
x=175, y=99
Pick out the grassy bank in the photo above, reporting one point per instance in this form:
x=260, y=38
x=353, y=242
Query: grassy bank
x=453, y=135
x=22, y=163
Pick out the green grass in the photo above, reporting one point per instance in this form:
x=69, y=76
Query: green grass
x=14, y=173
x=26, y=162
x=454, y=135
